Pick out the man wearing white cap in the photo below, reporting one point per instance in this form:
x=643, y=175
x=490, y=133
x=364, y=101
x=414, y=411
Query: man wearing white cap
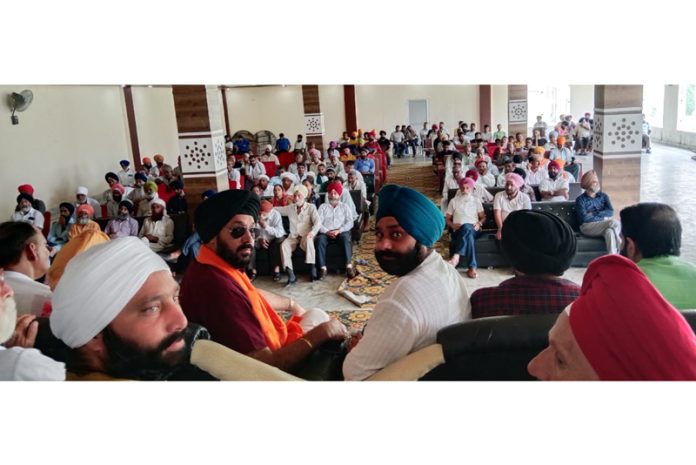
x=158, y=228
x=123, y=320
x=16, y=362
x=304, y=226
x=82, y=197
x=265, y=186
x=268, y=155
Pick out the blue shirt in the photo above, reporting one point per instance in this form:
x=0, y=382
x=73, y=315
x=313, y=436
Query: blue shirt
x=283, y=144
x=242, y=145
x=366, y=166
x=591, y=210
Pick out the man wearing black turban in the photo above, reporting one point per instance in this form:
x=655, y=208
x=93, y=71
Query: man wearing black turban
x=217, y=293
x=540, y=247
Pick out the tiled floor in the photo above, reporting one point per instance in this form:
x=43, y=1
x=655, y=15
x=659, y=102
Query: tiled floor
x=666, y=176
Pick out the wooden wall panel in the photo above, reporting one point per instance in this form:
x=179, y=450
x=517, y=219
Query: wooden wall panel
x=191, y=106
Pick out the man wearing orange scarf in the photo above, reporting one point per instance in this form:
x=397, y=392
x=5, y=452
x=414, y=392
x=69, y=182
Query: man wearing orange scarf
x=217, y=293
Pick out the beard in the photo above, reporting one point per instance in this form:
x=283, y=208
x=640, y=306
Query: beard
x=127, y=360
x=401, y=264
x=233, y=258
x=157, y=216
x=553, y=175
x=8, y=319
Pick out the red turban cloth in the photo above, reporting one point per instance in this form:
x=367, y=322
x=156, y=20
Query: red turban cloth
x=479, y=161
x=554, y=163
x=473, y=174
x=626, y=328
x=118, y=188
x=26, y=189
x=337, y=186
x=266, y=206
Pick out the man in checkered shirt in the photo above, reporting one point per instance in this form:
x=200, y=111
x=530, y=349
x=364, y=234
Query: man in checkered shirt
x=540, y=247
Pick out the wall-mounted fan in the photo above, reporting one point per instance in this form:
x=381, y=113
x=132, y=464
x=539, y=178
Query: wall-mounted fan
x=19, y=102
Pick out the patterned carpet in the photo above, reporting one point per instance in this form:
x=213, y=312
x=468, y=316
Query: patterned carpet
x=372, y=280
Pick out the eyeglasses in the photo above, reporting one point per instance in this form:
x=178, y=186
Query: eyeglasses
x=239, y=231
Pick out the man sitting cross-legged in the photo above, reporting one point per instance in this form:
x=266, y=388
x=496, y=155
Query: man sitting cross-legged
x=336, y=222
x=465, y=216
x=540, y=247
x=217, y=293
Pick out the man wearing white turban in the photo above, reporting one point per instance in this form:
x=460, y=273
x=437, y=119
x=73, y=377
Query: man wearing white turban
x=124, y=320
x=158, y=228
x=304, y=226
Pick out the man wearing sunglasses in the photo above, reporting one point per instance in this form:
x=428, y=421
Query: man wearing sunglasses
x=217, y=293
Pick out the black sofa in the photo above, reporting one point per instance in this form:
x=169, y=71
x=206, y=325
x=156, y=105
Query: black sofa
x=489, y=254
x=497, y=348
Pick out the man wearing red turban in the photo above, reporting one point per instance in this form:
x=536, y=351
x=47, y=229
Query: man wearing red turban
x=620, y=329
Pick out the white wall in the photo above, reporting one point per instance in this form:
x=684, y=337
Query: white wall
x=581, y=101
x=69, y=136
x=333, y=106
x=272, y=108
x=383, y=107
x=155, y=118
x=499, y=107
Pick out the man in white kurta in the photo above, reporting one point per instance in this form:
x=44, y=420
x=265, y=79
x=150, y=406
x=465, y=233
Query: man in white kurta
x=158, y=228
x=429, y=294
x=304, y=226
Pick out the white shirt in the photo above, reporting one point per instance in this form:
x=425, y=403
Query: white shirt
x=255, y=171
x=300, y=145
x=339, y=217
x=505, y=205
x=464, y=209
x=33, y=216
x=274, y=226
x=564, y=153
x=301, y=223
x=163, y=229
x=549, y=185
x=397, y=136
x=408, y=315
x=29, y=295
x=126, y=177
x=535, y=178
x=20, y=364
x=270, y=157
x=487, y=180
x=144, y=206
x=482, y=193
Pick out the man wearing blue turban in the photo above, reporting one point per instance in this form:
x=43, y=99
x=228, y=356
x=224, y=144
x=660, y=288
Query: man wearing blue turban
x=429, y=294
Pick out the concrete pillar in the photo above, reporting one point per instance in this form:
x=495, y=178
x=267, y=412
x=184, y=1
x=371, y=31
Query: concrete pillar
x=617, y=142
x=517, y=110
x=201, y=141
x=314, y=118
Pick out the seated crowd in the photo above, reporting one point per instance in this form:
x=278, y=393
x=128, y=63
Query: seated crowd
x=133, y=320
